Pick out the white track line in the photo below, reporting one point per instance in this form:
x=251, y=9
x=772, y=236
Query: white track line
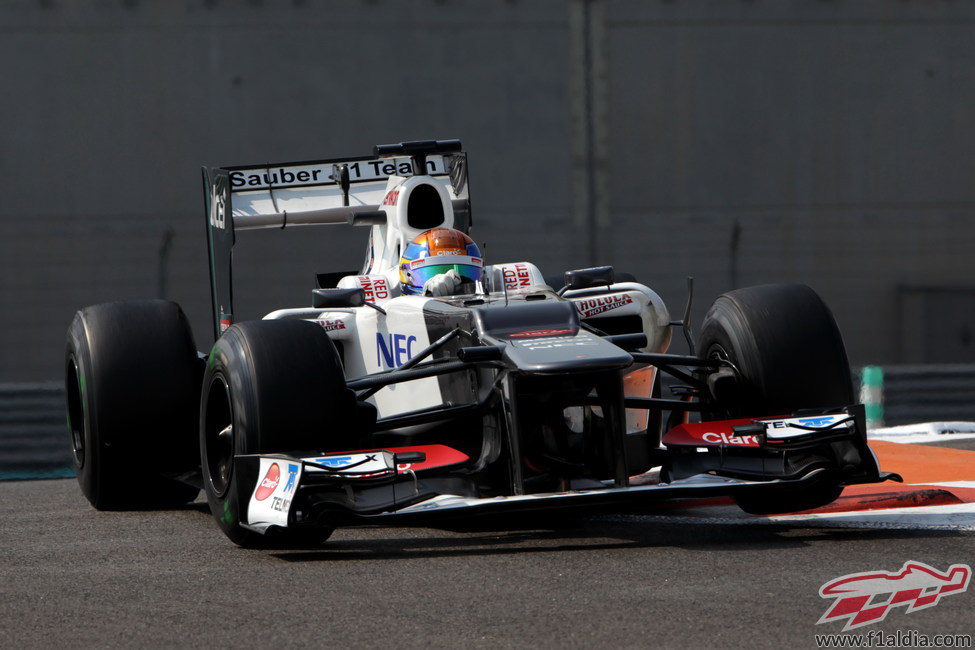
x=924, y=432
x=959, y=517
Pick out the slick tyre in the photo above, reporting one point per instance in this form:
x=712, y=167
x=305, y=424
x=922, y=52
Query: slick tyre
x=789, y=353
x=774, y=502
x=270, y=386
x=785, y=343
x=132, y=381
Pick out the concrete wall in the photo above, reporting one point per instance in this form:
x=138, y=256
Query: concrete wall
x=835, y=137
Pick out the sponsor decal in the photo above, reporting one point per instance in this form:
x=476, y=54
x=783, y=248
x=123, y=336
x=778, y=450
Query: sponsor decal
x=792, y=427
x=280, y=176
x=292, y=478
x=269, y=483
x=536, y=333
x=321, y=174
x=329, y=325
x=389, y=167
x=280, y=504
x=355, y=465
x=516, y=275
x=393, y=350
x=375, y=288
x=717, y=432
x=272, y=498
x=866, y=598
x=334, y=461
x=733, y=440
x=391, y=197
x=593, y=306
x=818, y=422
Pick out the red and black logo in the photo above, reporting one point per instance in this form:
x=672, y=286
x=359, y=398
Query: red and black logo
x=269, y=483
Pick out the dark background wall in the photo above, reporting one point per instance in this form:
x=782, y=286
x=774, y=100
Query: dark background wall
x=739, y=142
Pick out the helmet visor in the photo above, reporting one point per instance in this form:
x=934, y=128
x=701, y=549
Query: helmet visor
x=467, y=273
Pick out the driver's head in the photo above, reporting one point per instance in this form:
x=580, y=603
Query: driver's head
x=436, y=253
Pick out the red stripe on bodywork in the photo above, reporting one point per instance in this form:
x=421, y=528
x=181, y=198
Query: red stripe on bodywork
x=437, y=455
x=718, y=433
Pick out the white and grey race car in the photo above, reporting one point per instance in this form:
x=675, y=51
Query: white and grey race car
x=373, y=407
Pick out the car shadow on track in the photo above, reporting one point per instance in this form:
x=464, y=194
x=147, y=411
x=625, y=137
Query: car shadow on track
x=535, y=535
x=195, y=506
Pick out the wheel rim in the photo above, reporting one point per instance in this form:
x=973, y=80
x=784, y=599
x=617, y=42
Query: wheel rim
x=717, y=352
x=76, y=411
x=219, y=436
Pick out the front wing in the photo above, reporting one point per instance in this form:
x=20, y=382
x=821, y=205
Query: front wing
x=407, y=485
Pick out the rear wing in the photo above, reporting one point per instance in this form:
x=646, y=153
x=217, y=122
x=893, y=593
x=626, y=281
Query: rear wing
x=315, y=192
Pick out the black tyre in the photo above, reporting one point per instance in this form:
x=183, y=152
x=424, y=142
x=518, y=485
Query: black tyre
x=132, y=380
x=774, y=502
x=784, y=342
x=270, y=386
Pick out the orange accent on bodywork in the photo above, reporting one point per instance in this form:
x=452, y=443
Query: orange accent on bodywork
x=638, y=383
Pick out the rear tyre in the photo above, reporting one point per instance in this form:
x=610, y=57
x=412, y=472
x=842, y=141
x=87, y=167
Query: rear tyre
x=789, y=353
x=270, y=386
x=132, y=378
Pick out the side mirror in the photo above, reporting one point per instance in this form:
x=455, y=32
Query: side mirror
x=338, y=297
x=597, y=276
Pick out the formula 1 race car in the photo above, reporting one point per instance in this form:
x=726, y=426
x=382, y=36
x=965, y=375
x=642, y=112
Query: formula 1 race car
x=372, y=407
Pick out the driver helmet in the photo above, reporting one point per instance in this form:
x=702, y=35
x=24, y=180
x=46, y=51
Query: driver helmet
x=435, y=252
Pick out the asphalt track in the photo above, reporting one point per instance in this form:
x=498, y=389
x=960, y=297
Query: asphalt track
x=74, y=576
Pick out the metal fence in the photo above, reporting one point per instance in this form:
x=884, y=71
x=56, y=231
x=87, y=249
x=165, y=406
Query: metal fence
x=929, y=393
x=34, y=441
x=33, y=435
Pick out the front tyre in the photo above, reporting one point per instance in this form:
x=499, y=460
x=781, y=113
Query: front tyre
x=784, y=342
x=270, y=386
x=789, y=355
